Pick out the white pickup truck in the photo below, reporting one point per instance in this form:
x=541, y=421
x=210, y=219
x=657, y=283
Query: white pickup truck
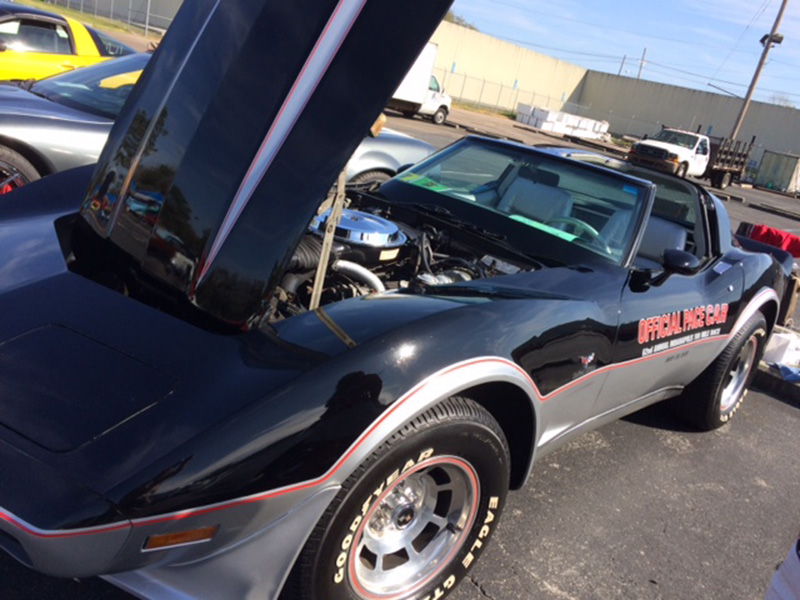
x=685, y=153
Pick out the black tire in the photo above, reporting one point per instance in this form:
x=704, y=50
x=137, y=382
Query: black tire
x=712, y=399
x=721, y=179
x=15, y=170
x=408, y=114
x=371, y=177
x=440, y=116
x=456, y=445
x=682, y=170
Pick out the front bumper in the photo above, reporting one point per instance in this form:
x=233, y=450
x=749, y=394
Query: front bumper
x=657, y=164
x=256, y=567
x=60, y=528
x=49, y=523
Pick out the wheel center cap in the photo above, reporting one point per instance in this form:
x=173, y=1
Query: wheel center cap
x=404, y=516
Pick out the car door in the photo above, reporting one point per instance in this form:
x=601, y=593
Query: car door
x=671, y=325
x=433, y=98
x=35, y=49
x=700, y=158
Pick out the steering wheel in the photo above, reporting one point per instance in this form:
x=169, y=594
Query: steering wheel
x=583, y=226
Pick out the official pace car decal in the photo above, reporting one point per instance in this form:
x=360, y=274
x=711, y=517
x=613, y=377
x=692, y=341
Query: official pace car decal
x=668, y=325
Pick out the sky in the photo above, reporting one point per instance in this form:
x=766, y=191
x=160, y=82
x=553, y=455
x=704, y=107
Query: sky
x=690, y=43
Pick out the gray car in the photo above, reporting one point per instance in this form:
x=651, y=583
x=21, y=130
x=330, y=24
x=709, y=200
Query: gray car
x=63, y=122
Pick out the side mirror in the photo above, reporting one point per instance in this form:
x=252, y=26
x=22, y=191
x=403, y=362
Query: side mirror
x=644, y=137
x=673, y=262
x=680, y=261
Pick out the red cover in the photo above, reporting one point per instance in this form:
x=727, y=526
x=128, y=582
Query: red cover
x=776, y=237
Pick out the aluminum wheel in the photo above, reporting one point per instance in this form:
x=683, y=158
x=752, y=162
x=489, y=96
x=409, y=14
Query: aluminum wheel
x=737, y=378
x=415, y=528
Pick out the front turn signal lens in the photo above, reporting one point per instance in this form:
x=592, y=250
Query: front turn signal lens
x=163, y=541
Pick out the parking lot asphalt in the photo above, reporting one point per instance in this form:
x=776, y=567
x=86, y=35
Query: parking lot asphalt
x=644, y=508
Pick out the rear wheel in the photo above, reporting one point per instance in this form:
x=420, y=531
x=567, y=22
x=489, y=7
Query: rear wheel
x=408, y=114
x=724, y=180
x=15, y=170
x=417, y=513
x=711, y=400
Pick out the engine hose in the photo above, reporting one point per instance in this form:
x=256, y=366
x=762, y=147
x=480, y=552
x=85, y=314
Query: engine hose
x=306, y=255
x=359, y=273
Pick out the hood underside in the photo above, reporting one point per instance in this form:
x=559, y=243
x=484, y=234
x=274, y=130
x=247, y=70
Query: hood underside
x=235, y=133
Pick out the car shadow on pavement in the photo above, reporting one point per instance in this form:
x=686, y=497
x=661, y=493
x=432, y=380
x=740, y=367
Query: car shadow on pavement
x=660, y=416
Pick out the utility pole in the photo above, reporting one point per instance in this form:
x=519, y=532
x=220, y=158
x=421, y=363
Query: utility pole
x=641, y=64
x=774, y=37
x=622, y=66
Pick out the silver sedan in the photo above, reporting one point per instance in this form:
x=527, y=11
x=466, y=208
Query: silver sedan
x=63, y=122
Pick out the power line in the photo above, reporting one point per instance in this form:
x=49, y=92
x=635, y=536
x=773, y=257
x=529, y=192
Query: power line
x=758, y=14
x=531, y=44
x=648, y=36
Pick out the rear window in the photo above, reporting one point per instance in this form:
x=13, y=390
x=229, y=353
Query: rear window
x=108, y=46
x=99, y=89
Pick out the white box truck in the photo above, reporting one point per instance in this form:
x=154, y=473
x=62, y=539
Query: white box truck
x=420, y=91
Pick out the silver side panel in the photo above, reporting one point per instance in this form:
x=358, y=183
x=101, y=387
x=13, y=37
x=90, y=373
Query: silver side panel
x=254, y=569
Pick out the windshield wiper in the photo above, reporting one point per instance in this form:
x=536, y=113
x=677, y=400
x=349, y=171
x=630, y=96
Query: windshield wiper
x=497, y=239
x=482, y=290
x=435, y=209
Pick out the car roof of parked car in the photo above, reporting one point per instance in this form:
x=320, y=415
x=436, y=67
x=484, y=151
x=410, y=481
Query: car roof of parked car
x=8, y=9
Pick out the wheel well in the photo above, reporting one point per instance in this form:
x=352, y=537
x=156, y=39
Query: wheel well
x=511, y=408
x=33, y=157
x=770, y=312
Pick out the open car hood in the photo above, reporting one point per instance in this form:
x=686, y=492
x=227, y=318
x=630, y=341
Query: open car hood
x=236, y=132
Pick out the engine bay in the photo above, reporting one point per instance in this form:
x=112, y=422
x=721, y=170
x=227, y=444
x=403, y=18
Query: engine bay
x=377, y=249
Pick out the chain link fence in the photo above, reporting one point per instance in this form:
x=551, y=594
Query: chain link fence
x=501, y=97
x=150, y=15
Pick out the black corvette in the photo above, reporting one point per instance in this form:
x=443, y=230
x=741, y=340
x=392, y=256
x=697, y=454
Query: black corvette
x=243, y=391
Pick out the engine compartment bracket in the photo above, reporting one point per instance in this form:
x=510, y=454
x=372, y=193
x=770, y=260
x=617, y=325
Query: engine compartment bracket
x=327, y=241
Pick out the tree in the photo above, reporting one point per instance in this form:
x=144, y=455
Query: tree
x=452, y=17
x=781, y=100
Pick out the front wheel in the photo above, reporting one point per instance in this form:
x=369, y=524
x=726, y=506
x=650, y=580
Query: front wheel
x=440, y=116
x=682, y=169
x=15, y=170
x=417, y=513
x=711, y=400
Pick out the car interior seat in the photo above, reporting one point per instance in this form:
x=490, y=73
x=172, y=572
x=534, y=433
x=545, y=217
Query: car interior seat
x=535, y=194
x=659, y=235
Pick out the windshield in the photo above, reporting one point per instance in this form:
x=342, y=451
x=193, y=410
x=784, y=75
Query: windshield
x=100, y=89
x=669, y=136
x=547, y=206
